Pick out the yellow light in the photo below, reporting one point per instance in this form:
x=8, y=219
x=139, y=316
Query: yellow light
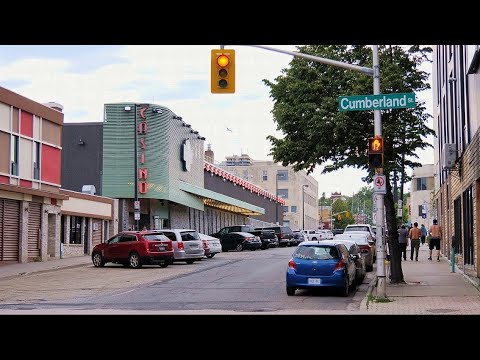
x=223, y=60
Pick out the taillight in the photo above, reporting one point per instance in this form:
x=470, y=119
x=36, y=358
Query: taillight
x=339, y=266
x=364, y=249
x=292, y=265
x=180, y=246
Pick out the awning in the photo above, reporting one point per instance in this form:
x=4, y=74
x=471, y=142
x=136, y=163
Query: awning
x=223, y=202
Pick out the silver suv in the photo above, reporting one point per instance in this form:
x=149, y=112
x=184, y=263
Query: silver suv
x=187, y=245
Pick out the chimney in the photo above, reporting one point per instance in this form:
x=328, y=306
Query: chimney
x=209, y=156
x=54, y=105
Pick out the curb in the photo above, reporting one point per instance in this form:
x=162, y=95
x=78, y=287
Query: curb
x=371, y=286
x=8, y=277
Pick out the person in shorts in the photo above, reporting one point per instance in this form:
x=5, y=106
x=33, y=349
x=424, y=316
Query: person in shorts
x=435, y=232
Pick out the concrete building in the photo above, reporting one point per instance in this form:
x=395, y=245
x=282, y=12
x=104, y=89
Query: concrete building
x=421, y=195
x=299, y=190
x=456, y=111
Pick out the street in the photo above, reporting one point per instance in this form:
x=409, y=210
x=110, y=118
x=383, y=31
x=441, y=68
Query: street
x=233, y=282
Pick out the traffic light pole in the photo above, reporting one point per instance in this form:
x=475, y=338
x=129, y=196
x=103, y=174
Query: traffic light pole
x=375, y=72
x=380, y=244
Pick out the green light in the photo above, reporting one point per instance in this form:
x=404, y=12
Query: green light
x=223, y=83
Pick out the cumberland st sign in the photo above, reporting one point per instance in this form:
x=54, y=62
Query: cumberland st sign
x=376, y=102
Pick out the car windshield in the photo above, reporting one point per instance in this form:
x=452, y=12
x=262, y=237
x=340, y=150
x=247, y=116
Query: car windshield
x=316, y=252
x=190, y=235
x=155, y=237
x=357, y=228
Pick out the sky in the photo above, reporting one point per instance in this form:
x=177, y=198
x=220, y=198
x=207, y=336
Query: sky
x=83, y=78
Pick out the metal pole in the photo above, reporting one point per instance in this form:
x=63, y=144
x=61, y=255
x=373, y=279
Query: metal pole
x=381, y=281
x=276, y=195
x=135, y=154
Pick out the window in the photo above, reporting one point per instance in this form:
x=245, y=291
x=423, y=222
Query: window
x=75, y=230
x=285, y=209
x=282, y=175
x=421, y=184
x=283, y=193
x=36, y=160
x=293, y=209
x=14, y=155
x=264, y=175
x=127, y=238
x=286, y=222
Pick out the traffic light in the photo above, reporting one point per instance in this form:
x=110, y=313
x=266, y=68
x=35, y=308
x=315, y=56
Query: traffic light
x=222, y=71
x=375, y=152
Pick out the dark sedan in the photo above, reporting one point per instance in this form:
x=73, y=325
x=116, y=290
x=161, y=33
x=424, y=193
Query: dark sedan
x=240, y=241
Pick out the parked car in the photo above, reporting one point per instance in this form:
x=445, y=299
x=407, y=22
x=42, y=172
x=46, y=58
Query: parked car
x=240, y=241
x=358, y=257
x=213, y=245
x=299, y=236
x=134, y=248
x=337, y=231
x=361, y=227
x=321, y=264
x=363, y=241
x=328, y=234
x=284, y=234
x=314, y=235
x=187, y=245
x=267, y=237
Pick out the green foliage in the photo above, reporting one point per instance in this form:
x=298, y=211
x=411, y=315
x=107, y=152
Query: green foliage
x=339, y=207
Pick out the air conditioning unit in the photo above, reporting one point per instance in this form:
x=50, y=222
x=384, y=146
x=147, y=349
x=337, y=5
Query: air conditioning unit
x=449, y=155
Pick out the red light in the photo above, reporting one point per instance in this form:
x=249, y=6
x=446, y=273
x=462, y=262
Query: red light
x=180, y=246
x=339, y=266
x=292, y=265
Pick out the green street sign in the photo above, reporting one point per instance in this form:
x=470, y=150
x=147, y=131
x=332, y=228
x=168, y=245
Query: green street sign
x=376, y=102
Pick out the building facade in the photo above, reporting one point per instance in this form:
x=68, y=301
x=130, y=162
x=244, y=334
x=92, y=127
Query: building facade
x=173, y=184
x=456, y=110
x=299, y=190
x=421, y=195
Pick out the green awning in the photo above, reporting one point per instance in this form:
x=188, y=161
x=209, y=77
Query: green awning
x=220, y=201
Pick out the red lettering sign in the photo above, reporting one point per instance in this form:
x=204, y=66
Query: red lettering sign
x=142, y=187
x=142, y=174
x=142, y=128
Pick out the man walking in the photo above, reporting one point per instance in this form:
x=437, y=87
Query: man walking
x=424, y=233
x=435, y=232
x=414, y=234
x=402, y=241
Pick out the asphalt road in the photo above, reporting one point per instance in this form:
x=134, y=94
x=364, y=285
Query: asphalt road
x=233, y=282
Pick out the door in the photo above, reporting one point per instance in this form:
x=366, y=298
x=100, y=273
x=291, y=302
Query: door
x=126, y=245
x=9, y=229
x=96, y=232
x=34, y=229
x=112, y=250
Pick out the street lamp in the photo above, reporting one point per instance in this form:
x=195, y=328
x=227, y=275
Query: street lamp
x=303, y=204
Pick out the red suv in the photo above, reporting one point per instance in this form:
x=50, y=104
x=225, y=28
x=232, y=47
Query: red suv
x=134, y=248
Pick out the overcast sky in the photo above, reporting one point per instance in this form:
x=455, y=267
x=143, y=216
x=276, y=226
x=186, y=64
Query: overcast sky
x=82, y=78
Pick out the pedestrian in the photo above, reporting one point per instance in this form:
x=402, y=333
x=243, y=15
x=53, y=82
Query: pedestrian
x=424, y=233
x=435, y=232
x=402, y=241
x=415, y=233
x=144, y=228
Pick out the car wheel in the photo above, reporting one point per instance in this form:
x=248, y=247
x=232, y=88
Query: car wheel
x=239, y=247
x=134, y=260
x=211, y=256
x=98, y=260
x=290, y=291
x=314, y=238
x=164, y=264
x=189, y=262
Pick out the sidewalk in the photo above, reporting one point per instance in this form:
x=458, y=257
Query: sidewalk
x=430, y=289
x=17, y=269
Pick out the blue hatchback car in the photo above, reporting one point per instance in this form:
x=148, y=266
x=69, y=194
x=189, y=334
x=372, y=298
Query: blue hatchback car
x=324, y=263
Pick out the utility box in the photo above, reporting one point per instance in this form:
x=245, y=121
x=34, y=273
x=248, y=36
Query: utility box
x=449, y=155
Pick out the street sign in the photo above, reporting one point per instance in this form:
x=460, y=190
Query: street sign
x=136, y=205
x=136, y=215
x=424, y=216
x=379, y=184
x=376, y=102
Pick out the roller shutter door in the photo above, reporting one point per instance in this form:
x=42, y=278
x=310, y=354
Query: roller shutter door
x=97, y=232
x=9, y=229
x=34, y=226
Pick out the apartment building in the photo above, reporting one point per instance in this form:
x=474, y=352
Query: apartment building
x=299, y=190
x=456, y=111
x=421, y=195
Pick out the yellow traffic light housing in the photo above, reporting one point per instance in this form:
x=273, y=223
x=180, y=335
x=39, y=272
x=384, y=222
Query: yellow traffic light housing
x=222, y=71
x=375, y=152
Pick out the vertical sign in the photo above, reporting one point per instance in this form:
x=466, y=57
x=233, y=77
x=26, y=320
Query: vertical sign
x=143, y=170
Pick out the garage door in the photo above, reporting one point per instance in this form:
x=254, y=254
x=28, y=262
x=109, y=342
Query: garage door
x=34, y=225
x=97, y=232
x=9, y=229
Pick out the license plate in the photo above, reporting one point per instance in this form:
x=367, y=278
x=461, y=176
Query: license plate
x=313, y=281
x=161, y=248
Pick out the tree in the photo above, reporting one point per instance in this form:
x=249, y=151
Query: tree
x=315, y=133
x=344, y=216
